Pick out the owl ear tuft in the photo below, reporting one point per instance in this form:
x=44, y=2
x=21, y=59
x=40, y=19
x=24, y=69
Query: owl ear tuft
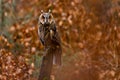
x=41, y=11
x=49, y=11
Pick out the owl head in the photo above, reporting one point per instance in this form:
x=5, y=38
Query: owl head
x=46, y=18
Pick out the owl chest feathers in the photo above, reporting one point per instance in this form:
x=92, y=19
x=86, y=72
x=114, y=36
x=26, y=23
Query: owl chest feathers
x=46, y=35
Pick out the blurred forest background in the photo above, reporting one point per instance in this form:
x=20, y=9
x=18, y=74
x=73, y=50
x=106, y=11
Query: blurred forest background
x=90, y=34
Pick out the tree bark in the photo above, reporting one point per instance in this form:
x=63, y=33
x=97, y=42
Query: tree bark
x=46, y=66
x=1, y=14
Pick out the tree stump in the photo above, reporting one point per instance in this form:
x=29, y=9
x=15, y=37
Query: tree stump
x=46, y=66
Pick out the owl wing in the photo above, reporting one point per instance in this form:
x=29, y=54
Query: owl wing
x=58, y=51
x=56, y=36
x=41, y=34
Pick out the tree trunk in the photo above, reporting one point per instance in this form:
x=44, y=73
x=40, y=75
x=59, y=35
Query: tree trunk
x=1, y=14
x=46, y=66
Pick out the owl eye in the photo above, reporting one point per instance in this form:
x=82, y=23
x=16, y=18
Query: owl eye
x=50, y=17
x=43, y=17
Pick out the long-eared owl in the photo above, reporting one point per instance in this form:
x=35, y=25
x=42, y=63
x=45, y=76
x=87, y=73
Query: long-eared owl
x=48, y=35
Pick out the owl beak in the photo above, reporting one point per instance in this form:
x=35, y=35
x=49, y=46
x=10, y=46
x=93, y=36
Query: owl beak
x=46, y=22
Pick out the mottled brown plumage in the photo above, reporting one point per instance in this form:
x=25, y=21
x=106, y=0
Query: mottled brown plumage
x=49, y=36
x=50, y=39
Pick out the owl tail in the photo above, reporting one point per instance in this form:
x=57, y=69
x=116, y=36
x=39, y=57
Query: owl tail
x=57, y=56
x=52, y=56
